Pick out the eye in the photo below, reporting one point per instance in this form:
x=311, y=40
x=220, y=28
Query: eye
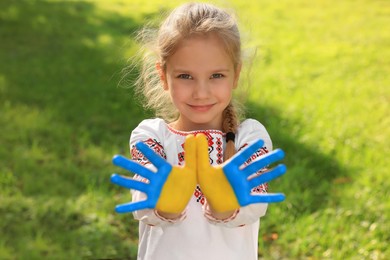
x=217, y=76
x=184, y=76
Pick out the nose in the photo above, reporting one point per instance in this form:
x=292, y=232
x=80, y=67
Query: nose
x=201, y=90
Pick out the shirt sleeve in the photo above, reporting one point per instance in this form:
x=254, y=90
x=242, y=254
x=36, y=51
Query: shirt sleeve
x=148, y=132
x=248, y=132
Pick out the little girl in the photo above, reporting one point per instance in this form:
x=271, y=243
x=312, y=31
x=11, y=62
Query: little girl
x=188, y=80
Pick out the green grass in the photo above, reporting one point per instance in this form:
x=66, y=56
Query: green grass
x=320, y=85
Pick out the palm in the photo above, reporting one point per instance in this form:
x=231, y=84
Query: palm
x=240, y=177
x=155, y=180
x=168, y=189
x=227, y=187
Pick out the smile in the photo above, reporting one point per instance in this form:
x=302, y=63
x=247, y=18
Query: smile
x=201, y=108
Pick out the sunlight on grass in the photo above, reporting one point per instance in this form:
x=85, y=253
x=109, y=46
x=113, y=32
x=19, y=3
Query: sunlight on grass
x=319, y=84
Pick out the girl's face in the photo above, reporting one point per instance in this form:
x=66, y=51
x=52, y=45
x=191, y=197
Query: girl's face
x=200, y=77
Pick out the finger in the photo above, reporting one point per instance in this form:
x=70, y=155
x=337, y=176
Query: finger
x=132, y=166
x=190, y=152
x=154, y=158
x=242, y=156
x=263, y=161
x=202, y=152
x=267, y=198
x=133, y=206
x=268, y=176
x=129, y=183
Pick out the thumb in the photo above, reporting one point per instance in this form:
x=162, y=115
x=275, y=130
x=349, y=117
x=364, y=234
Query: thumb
x=190, y=152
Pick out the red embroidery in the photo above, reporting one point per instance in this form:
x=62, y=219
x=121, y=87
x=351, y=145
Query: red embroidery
x=137, y=156
x=180, y=156
x=198, y=192
x=205, y=132
x=199, y=195
x=262, y=188
x=263, y=150
x=219, y=151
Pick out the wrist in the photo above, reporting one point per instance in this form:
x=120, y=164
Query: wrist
x=218, y=216
x=222, y=215
x=171, y=217
x=167, y=215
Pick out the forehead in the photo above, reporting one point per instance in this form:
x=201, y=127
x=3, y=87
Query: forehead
x=200, y=51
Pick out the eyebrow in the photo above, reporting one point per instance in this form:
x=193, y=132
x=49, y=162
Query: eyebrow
x=222, y=70
x=179, y=70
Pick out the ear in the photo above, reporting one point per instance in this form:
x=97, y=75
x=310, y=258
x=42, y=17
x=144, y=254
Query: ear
x=237, y=75
x=161, y=73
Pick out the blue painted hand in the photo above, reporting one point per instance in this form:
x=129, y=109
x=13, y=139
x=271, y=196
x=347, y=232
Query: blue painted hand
x=228, y=186
x=169, y=189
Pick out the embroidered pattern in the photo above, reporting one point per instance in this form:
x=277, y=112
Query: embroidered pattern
x=198, y=192
x=180, y=156
x=199, y=195
x=154, y=145
x=219, y=150
x=210, y=145
x=210, y=132
x=262, y=188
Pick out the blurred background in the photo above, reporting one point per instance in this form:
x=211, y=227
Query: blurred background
x=320, y=83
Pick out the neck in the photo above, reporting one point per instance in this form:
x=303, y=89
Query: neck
x=186, y=127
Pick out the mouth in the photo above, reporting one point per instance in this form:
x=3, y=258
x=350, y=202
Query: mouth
x=201, y=108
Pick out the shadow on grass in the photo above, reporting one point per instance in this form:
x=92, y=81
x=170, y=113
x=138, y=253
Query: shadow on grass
x=62, y=116
x=308, y=184
x=311, y=174
x=60, y=66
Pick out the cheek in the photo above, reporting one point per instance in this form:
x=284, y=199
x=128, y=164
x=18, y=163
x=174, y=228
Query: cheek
x=178, y=93
x=223, y=91
x=226, y=96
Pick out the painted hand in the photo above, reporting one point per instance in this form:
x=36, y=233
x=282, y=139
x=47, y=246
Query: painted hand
x=169, y=189
x=228, y=186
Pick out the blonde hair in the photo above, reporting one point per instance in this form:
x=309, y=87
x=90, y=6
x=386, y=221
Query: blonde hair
x=184, y=22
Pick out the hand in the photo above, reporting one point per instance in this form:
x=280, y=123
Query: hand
x=228, y=186
x=169, y=189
